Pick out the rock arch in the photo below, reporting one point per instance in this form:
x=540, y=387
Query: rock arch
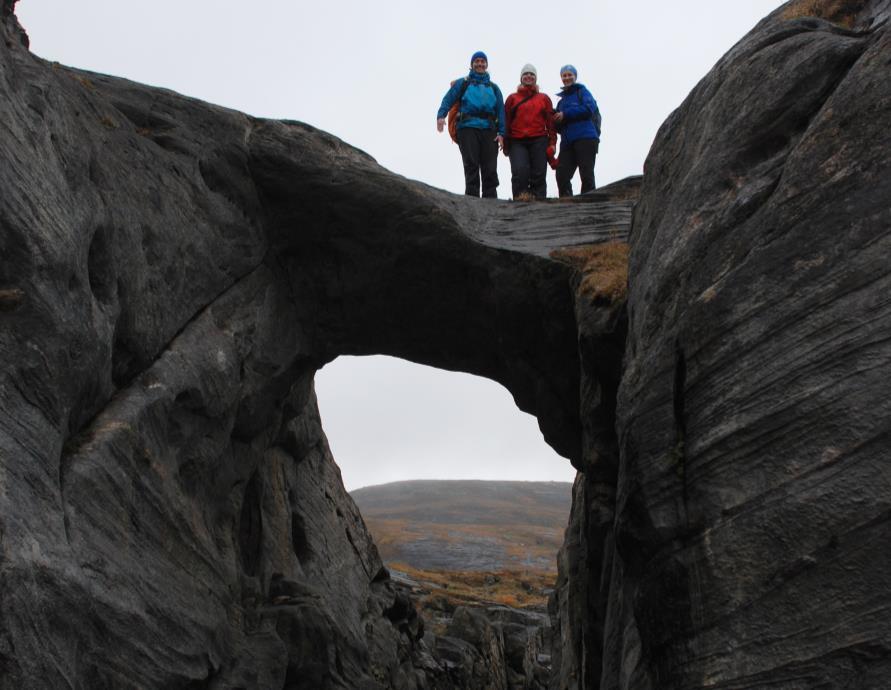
x=178, y=273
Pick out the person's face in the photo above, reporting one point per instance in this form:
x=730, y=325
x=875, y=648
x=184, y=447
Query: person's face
x=568, y=78
x=480, y=65
x=527, y=79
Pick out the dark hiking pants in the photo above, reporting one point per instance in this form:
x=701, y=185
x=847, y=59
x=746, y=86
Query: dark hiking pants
x=528, y=165
x=579, y=154
x=479, y=151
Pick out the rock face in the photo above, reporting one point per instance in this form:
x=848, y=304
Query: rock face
x=14, y=30
x=745, y=545
x=497, y=648
x=174, y=273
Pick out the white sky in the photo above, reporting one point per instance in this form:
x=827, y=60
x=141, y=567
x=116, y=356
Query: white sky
x=373, y=73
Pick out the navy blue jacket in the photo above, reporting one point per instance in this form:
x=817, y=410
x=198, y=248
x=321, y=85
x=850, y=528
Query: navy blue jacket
x=481, y=99
x=578, y=107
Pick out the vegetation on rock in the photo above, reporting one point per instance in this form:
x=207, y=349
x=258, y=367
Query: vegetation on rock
x=603, y=268
x=841, y=12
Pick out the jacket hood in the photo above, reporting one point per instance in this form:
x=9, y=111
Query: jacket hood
x=480, y=78
x=572, y=88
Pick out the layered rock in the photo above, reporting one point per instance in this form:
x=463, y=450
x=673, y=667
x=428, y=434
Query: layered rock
x=496, y=648
x=753, y=489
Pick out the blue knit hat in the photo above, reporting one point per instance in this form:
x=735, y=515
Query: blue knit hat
x=569, y=68
x=478, y=54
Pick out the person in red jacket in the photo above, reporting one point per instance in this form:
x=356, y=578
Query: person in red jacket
x=531, y=137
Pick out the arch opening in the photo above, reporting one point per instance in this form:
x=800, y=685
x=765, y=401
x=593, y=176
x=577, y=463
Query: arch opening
x=465, y=500
x=388, y=420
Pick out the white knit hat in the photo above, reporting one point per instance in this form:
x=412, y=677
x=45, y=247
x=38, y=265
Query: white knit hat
x=528, y=68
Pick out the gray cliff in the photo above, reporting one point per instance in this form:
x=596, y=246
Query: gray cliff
x=739, y=538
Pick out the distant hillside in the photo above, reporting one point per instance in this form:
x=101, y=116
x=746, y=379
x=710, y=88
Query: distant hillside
x=468, y=525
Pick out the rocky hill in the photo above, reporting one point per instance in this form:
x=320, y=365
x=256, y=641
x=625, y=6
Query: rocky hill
x=468, y=525
x=173, y=274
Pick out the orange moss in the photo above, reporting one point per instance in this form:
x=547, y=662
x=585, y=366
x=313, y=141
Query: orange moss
x=518, y=589
x=841, y=12
x=604, y=268
x=86, y=83
x=522, y=543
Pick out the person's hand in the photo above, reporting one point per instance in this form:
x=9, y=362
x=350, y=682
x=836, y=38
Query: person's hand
x=558, y=117
x=500, y=140
x=440, y=123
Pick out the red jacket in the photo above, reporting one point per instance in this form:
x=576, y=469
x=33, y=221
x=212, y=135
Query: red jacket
x=534, y=118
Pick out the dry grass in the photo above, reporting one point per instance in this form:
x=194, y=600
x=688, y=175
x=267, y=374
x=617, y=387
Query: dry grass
x=604, y=269
x=841, y=12
x=108, y=122
x=86, y=83
x=518, y=543
x=11, y=299
x=515, y=588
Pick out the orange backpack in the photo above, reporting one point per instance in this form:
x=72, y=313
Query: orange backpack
x=454, y=114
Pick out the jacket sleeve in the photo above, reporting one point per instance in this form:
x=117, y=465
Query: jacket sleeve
x=573, y=111
x=449, y=99
x=499, y=111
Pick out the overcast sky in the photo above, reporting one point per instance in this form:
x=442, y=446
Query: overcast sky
x=373, y=74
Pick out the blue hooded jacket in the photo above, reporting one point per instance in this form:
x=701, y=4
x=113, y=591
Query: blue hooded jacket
x=481, y=99
x=578, y=107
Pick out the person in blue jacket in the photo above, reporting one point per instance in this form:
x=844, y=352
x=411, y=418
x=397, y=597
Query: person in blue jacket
x=578, y=121
x=480, y=125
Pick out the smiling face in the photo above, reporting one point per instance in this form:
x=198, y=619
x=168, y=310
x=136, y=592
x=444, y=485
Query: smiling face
x=480, y=65
x=568, y=78
x=527, y=79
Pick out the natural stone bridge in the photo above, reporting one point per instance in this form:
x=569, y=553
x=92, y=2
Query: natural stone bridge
x=175, y=274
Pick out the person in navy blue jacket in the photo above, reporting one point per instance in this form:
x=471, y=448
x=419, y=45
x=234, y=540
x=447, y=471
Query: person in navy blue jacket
x=578, y=121
x=480, y=125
